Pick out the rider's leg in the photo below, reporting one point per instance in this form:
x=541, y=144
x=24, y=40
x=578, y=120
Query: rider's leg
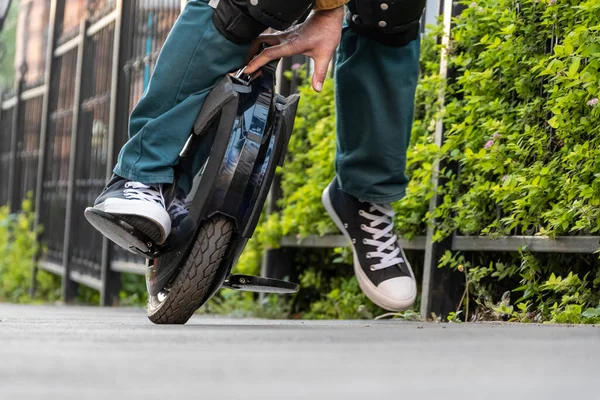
x=194, y=57
x=375, y=100
x=376, y=78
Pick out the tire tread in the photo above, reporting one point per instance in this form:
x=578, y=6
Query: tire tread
x=190, y=288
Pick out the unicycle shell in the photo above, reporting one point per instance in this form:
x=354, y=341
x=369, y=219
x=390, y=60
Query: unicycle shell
x=249, y=126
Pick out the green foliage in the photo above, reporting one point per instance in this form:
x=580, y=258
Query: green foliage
x=133, y=291
x=247, y=305
x=521, y=119
x=540, y=292
x=340, y=299
x=521, y=122
x=18, y=247
x=454, y=317
x=8, y=46
x=520, y=116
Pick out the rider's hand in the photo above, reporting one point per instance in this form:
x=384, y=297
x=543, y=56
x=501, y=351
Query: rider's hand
x=317, y=37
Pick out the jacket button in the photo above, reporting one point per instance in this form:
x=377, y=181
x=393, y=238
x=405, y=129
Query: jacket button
x=384, y=6
x=382, y=24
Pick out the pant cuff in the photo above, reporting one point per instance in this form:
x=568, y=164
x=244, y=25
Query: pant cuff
x=376, y=199
x=146, y=179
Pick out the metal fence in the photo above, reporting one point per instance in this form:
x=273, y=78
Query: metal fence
x=59, y=139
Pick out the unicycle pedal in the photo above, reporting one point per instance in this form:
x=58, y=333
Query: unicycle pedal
x=121, y=233
x=258, y=284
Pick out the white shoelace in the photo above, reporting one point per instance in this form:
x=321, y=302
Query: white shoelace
x=387, y=217
x=178, y=208
x=140, y=191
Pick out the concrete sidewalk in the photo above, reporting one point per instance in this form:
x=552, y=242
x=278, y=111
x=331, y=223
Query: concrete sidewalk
x=93, y=353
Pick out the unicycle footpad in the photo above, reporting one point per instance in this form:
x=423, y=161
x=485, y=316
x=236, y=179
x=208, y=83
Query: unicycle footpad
x=259, y=284
x=120, y=232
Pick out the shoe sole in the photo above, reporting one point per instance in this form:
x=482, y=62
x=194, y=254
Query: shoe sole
x=364, y=282
x=149, y=218
x=117, y=231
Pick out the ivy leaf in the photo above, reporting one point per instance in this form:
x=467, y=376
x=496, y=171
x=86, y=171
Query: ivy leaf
x=553, y=122
x=574, y=68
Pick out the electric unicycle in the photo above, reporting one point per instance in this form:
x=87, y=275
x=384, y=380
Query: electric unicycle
x=241, y=135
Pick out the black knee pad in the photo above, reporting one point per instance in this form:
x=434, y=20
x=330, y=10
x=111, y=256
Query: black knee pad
x=241, y=21
x=391, y=22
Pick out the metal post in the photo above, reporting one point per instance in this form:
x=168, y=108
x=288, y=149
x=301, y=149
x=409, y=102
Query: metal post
x=69, y=288
x=56, y=16
x=111, y=280
x=12, y=166
x=278, y=263
x=442, y=288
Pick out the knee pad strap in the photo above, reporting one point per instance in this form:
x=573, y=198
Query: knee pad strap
x=391, y=22
x=241, y=21
x=232, y=19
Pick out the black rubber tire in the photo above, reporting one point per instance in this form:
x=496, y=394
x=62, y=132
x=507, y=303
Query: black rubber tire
x=190, y=289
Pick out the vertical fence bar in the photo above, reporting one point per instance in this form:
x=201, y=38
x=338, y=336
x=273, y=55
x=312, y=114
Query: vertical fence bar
x=442, y=288
x=111, y=280
x=57, y=8
x=69, y=288
x=278, y=263
x=12, y=166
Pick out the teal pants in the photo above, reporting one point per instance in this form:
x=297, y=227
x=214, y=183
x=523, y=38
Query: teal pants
x=375, y=86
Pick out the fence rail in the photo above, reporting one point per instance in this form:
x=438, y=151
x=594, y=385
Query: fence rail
x=59, y=139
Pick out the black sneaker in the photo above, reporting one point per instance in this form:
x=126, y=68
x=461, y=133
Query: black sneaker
x=141, y=206
x=380, y=265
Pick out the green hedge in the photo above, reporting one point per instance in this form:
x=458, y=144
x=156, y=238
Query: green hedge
x=521, y=119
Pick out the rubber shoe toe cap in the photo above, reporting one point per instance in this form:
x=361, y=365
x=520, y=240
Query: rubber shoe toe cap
x=398, y=293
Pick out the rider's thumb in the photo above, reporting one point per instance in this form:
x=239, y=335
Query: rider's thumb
x=320, y=72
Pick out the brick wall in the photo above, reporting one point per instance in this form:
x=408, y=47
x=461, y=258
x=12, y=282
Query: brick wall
x=32, y=33
x=32, y=38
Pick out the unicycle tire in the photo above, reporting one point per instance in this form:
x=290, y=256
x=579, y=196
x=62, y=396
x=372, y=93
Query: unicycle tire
x=190, y=288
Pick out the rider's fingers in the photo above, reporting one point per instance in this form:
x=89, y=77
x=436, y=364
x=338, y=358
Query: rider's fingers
x=284, y=49
x=270, y=39
x=267, y=55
